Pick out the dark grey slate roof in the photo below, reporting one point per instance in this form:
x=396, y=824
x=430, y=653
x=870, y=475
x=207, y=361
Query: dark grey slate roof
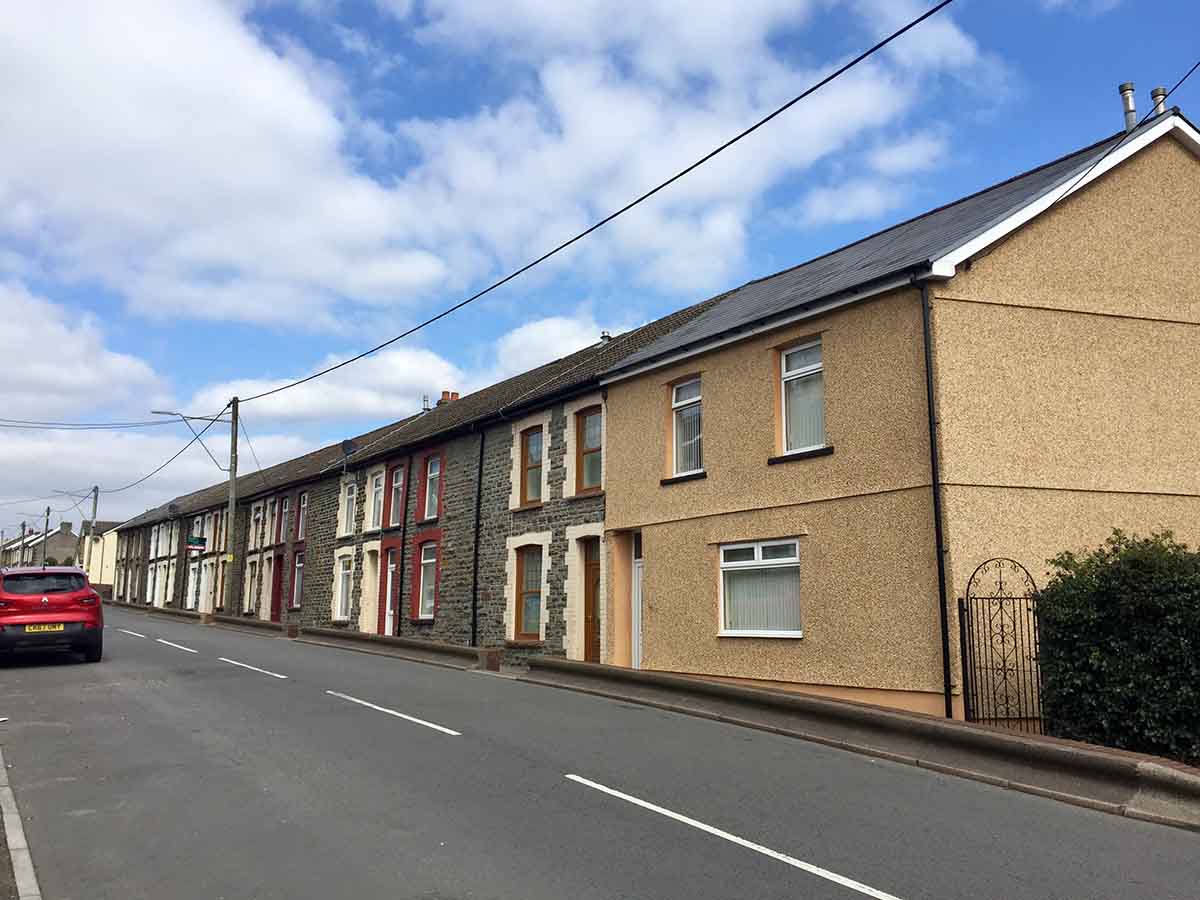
x=910, y=246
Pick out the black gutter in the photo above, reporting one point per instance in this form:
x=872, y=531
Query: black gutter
x=936, y=479
x=475, y=561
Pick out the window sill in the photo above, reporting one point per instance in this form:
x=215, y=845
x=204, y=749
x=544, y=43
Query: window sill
x=428, y=520
x=798, y=455
x=421, y=620
x=339, y=622
x=688, y=476
x=373, y=530
x=524, y=643
x=525, y=507
x=585, y=494
x=792, y=635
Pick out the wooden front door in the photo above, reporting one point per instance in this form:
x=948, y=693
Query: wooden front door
x=277, y=590
x=591, y=600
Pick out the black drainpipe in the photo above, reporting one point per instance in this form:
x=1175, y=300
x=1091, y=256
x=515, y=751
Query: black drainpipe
x=403, y=549
x=475, y=561
x=936, y=478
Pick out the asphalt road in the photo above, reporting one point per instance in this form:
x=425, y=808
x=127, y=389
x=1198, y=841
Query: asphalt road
x=168, y=774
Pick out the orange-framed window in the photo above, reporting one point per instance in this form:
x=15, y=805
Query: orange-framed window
x=589, y=462
x=531, y=466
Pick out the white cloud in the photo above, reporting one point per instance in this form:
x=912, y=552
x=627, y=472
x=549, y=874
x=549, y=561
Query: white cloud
x=913, y=154
x=56, y=361
x=213, y=171
x=864, y=198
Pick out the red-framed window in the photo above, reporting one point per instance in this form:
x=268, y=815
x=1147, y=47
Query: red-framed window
x=395, y=494
x=433, y=485
x=426, y=564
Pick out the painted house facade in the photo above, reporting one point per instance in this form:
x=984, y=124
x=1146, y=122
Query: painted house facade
x=803, y=481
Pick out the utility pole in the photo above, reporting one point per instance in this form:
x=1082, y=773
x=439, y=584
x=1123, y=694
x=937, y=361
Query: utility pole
x=87, y=567
x=231, y=514
x=45, y=537
x=21, y=547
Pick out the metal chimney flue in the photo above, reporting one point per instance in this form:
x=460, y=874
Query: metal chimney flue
x=1158, y=96
x=1130, y=105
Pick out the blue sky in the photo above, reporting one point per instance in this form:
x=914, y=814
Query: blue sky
x=211, y=196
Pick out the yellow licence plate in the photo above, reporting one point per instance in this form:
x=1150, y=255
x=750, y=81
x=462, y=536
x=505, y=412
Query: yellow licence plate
x=40, y=629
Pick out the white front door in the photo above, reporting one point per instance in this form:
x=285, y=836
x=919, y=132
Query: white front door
x=193, y=585
x=635, y=603
x=389, y=604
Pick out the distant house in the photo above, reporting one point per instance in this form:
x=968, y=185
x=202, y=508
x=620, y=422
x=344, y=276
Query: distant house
x=61, y=546
x=98, y=557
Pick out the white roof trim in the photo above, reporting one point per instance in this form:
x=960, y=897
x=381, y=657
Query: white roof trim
x=819, y=308
x=946, y=265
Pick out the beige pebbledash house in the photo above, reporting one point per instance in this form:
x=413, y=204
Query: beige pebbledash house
x=776, y=510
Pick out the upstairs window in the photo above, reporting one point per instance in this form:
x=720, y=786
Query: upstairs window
x=269, y=525
x=349, y=497
x=397, y=495
x=686, y=418
x=803, y=398
x=760, y=589
x=377, y=500
x=301, y=513
x=589, y=465
x=284, y=521
x=433, y=482
x=529, y=594
x=531, y=466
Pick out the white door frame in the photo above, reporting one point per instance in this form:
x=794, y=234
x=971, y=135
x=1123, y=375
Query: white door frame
x=635, y=617
x=389, y=617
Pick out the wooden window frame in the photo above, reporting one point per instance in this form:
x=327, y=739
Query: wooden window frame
x=519, y=594
x=582, y=452
x=525, y=502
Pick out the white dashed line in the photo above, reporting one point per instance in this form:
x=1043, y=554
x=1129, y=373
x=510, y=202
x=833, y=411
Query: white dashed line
x=234, y=662
x=176, y=646
x=741, y=842
x=127, y=631
x=398, y=715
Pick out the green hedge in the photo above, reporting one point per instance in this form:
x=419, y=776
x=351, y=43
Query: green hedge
x=1120, y=646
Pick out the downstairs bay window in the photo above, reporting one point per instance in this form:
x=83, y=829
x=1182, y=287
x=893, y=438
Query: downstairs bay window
x=760, y=589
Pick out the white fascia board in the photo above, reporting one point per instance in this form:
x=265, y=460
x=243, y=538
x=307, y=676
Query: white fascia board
x=819, y=307
x=946, y=265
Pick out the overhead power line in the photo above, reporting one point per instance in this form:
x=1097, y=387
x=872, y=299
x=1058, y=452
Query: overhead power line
x=198, y=435
x=836, y=73
x=79, y=426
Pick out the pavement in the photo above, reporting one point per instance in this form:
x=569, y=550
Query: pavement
x=171, y=770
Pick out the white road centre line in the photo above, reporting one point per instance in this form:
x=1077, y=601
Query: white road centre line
x=127, y=631
x=234, y=662
x=741, y=842
x=176, y=646
x=398, y=715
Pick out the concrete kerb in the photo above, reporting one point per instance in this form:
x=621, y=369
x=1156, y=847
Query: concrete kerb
x=1158, y=791
x=14, y=835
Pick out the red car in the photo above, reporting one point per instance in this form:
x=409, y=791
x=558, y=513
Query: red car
x=50, y=607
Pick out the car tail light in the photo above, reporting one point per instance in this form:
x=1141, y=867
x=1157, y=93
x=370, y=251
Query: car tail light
x=89, y=599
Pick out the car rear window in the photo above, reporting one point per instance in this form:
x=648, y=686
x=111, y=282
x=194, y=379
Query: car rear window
x=42, y=583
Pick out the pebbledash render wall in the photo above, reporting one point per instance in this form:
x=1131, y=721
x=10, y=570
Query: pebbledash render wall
x=1068, y=384
x=862, y=513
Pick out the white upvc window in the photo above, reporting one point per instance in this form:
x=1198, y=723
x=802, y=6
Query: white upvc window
x=345, y=584
x=269, y=524
x=397, y=495
x=760, y=589
x=433, y=479
x=298, y=582
x=349, y=496
x=686, y=425
x=428, y=586
x=803, y=385
x=303, y=515
x=256, y=526
x=377, y=500
x=284, y=525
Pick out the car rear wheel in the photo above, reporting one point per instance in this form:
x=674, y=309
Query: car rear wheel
x=94, y=651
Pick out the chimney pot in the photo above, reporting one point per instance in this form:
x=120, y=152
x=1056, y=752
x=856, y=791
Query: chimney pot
x=605, y=337
x=1130, y=106
x=454, y=395
x=1158, y=96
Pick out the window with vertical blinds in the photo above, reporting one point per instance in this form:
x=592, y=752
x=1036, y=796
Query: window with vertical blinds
x=686, y=418
x=529, y=593
x=760, y=589
x=803, y=376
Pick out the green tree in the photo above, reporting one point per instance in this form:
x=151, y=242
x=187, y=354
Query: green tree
x=1120, y=646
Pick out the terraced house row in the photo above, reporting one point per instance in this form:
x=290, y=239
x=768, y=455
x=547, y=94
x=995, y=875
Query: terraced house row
x=789, y=484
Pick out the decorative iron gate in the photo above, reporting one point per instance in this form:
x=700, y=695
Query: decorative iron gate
x=998, y=637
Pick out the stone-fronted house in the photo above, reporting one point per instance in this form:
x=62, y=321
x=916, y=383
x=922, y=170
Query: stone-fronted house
x=60, y=544
x=802, y=480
